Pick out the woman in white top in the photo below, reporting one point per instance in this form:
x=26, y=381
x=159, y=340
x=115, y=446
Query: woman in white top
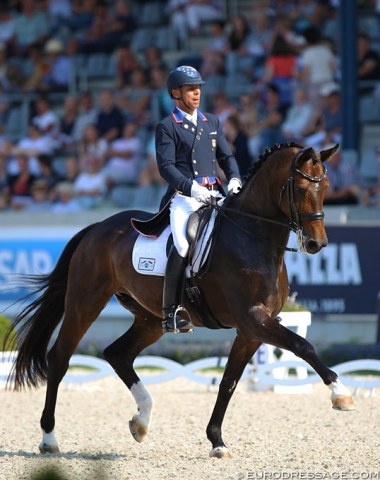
x=317, y=63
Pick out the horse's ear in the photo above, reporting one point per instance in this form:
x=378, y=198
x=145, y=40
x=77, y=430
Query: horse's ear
x=329, y=152
x=303, y=155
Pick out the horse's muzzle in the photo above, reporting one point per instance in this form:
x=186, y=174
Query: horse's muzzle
x=313, y=245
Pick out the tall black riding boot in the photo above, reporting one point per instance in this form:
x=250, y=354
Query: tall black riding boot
x=172, y=296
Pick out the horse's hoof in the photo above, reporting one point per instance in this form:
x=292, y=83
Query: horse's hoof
x=343, y=403
x=44, y=448
x=220, y=452
x=138, y=431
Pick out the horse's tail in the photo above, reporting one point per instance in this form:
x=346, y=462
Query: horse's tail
x=35, y=324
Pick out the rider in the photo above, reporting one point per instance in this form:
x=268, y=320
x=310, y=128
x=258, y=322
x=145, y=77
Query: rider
x=190, y=145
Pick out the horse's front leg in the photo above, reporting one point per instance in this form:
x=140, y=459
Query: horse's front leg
x=241, y=352
x=272, y=332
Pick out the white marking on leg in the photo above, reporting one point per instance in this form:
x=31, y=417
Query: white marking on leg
x=338, y=389
x=49, y=441
x=144, y=403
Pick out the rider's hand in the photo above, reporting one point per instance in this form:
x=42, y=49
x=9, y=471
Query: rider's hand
x=234, y=185
x=202, y=194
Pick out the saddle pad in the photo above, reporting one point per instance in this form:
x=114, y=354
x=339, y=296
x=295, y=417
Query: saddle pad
x=149, y=254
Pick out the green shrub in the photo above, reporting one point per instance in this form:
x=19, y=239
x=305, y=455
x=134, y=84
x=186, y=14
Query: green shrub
x=5, y=324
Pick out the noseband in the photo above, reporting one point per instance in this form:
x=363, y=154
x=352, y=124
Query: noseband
x=296, y=218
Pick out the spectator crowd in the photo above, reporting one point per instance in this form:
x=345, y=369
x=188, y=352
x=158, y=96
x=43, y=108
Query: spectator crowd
x=271, y=71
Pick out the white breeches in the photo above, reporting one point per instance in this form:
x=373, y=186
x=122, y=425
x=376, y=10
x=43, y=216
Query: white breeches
x=181, y=208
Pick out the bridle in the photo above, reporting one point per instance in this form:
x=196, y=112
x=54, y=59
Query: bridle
x=296, y=218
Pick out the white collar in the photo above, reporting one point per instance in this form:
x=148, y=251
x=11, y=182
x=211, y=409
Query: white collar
x=192, y=118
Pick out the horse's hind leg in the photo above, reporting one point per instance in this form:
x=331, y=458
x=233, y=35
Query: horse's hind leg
x=121, y=354
x=79, y=315
x=241, y=352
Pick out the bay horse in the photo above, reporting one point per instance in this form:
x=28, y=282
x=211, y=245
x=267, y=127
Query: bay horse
x=245, y=288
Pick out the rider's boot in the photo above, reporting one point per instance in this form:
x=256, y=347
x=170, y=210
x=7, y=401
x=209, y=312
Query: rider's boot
x=172, y=296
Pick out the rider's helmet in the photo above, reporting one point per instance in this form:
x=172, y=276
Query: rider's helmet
x=183, y=75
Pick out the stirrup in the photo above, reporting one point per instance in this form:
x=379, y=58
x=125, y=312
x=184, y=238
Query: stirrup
x=180, y=325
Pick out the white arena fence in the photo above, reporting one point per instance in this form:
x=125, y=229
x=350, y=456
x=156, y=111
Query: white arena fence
x=281, y=376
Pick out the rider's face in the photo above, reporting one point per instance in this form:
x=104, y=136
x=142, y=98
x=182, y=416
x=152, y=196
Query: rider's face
x=188, y=97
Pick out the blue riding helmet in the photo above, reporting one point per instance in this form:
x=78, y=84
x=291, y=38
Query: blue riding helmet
x=183, y=75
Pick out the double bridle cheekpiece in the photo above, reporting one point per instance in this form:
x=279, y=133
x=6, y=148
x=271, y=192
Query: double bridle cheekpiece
x=296, y=219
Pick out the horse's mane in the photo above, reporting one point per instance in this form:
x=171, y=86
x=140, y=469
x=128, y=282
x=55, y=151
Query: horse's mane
x=267, y=152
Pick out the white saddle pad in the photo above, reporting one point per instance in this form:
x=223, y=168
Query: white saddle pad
x=149, y=254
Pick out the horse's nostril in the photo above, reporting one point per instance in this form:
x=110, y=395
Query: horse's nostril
x=313, y=246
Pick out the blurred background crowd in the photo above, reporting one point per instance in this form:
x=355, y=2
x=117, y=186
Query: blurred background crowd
x=83, y=83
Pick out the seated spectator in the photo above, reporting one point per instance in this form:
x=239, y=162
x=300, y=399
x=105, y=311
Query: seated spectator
x=7, y=25
x=343, y=181
x=124, y=157
x=90, y=185
x=213, y=55
x=271, y=116
x=66, y=201
x=152, y=58
x=249, y=119
x=298, y=117
x=109, y=119
x=326, y=126
x=107, y=28
x=72, y=169
x=281, y=68
x=31, y=28
x=85, y=116
x=47, y=171
x=238, y=55
x=160, y=102
x=260, y=39
x=38, y=67
x=40, y=197
x=187, y=16
x=34, y=144
x=81, y=16
x=58, y=72
x=133, y=99
x=46, y=119
x=126, y=63
x=222, y=107
x=92, y=144
x=238, y=142
x=11, y=75
x=20, y=184
x=67, y=122
x=317, y=62
x=149, y=174
x=368, y=65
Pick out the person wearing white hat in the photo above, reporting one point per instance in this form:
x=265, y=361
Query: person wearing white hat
x=58, y=76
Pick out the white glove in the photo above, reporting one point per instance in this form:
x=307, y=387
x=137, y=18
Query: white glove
x=234, y=185
x=201, y=194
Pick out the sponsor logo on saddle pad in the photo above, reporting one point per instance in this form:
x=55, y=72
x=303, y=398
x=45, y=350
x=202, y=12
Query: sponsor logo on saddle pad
x=146, y=264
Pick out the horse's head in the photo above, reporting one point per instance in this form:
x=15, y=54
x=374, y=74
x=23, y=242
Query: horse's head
x=302, y=196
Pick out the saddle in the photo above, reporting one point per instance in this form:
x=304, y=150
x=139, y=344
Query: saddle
x=153, y=225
